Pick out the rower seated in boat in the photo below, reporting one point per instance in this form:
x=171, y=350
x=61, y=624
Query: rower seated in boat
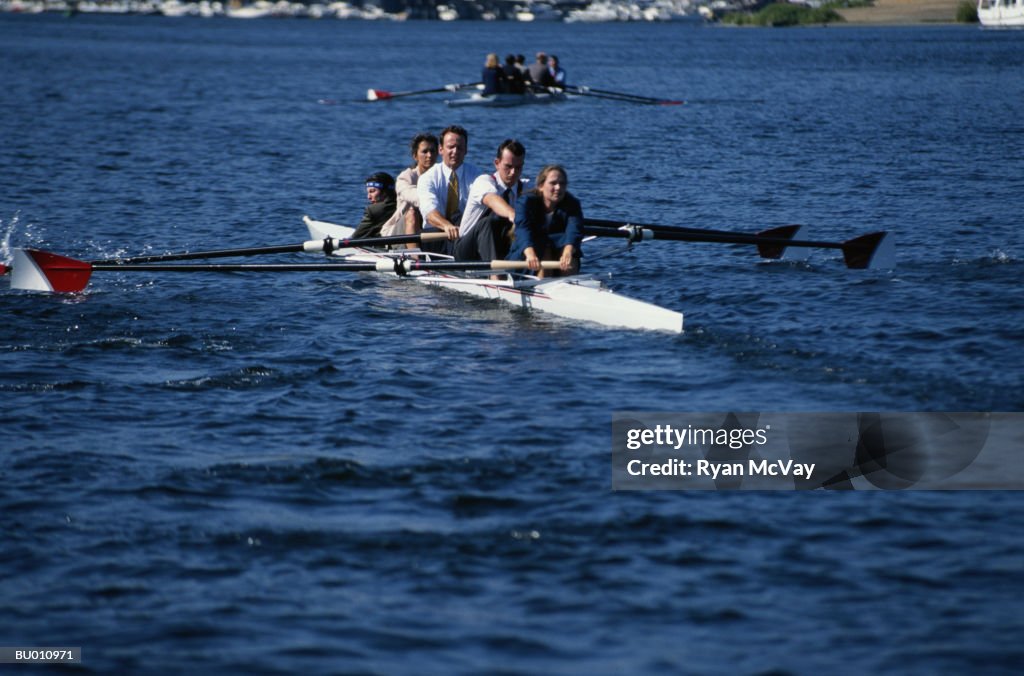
x=515, y=81
x=424, y=155
x=382, y=210
x=444, y=189
x=492, y=76
x=539, y=73
x=549, y=223
x=485, y=228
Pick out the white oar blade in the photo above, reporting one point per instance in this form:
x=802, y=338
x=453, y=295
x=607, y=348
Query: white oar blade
x=885, y=254
x=43, y=271
x=795, y=253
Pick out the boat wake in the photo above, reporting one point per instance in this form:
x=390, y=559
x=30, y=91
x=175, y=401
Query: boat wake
x=5, y=244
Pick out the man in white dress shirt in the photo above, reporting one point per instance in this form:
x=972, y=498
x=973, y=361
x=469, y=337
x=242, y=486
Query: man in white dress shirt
x=484, y=233
x=444, y=189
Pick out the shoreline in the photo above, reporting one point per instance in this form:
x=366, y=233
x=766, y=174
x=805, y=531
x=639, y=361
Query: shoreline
x=901, y=13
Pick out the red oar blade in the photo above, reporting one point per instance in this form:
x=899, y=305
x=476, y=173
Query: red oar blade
x=35, y=270
x=377, y=94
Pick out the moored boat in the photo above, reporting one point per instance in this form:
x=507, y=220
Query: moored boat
x=1001, y=13
x=577, y=297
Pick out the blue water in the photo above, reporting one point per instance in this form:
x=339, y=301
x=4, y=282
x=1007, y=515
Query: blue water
x=354, y=475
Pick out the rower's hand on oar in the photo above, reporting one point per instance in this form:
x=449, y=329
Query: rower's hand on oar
x=451, y=230
x=532, y=261
x=565, y=262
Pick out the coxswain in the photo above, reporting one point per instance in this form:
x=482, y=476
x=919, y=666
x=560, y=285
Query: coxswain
x=557, y=72
x=380, y=192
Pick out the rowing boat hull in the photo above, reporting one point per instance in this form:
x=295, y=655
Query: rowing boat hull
x=507, y=100
x=579, y=298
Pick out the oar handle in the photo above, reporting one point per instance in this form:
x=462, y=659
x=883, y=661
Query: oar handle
x=521, y=265
x=331, y=244
x=403, y=266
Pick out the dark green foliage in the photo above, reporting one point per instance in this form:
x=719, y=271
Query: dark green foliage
x=849, y=3
x=967, y=12
x=785, y=14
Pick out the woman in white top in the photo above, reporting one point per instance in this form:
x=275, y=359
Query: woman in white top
x=424, y=156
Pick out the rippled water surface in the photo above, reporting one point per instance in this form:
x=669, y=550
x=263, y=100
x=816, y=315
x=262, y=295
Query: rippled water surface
x=352, y=474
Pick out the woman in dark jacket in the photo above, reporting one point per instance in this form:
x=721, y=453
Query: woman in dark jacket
x=380, y=191
x=493, y=77
x=549, y=223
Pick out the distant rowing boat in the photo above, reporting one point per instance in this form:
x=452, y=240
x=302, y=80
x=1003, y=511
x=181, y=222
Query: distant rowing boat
x=509, y=100
x=536, y=94
x=578, y=297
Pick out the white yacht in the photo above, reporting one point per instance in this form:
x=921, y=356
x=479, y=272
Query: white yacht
x=595, y=12
x=538, y=11
x=1001, y=13
x=446, y=13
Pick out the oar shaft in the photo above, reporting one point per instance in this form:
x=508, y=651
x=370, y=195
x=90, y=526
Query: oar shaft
x=633, y=96
x=383, y=241
x=618, y=96
x=721, y=237
x=312, y=246
x=411, y=265
x=236, y=267
x=195, y=255
x=605, y=223
x=382, y=95
x=398, y=265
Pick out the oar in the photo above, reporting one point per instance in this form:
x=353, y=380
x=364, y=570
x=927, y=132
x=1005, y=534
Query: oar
x=764, y=246
x=650, y=99
x=583, y=90
x=31, y=278
x=382, y=95
x=35, y=270
x=874, y=250
x=326, y=245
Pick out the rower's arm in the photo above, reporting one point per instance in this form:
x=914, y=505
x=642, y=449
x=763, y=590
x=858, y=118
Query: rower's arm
x=437, y=219
x=426, y=189
x=407, y=190
x=499, y=206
